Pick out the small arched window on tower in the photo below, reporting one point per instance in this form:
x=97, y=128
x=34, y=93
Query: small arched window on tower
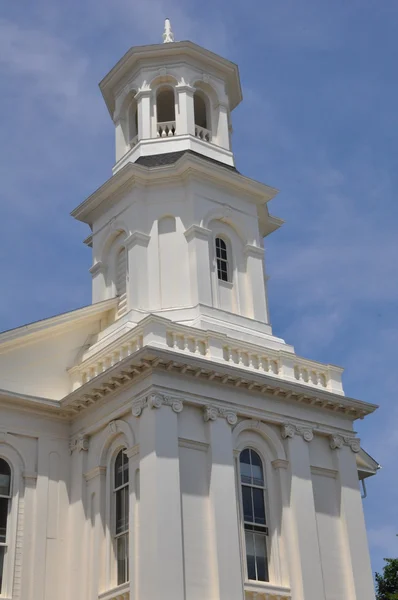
x=202, y=125
x=5, y=502
x=121, y=512
x=166, y=112
x=223, y=267
x=121, y=281
x=254, y=515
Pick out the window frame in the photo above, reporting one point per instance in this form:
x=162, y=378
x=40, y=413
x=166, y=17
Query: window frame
x=16, y=464
x=6, y=544
x=226, y=261
x=243, y=523
x=126, y=532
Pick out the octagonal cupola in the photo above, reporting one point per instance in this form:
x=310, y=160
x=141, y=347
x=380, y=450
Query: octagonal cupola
x=172, y=97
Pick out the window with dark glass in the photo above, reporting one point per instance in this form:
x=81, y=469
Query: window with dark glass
x=222, y=260
x=5, y=498
x=254, y=516
x=121, y=494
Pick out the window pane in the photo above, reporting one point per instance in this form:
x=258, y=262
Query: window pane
x=245, y=473
x=257, y=468
x=5, y=478
x=122, y=557
x=247, y=503
x=3, y=519
x=119, y=470
x=259, y=508
x=250, y=555
x=261, y=557
x=2, y=554
x=245, y=457
x=122, y=512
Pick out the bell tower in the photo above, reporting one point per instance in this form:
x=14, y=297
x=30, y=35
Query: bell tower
x=172, y=97
x=178, y=231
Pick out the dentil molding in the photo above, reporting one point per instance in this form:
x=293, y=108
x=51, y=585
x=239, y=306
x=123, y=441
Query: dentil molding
x=156, y=401
x=212, y=413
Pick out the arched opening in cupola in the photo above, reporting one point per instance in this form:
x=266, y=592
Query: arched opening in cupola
x=202, y=116
x=166, y=112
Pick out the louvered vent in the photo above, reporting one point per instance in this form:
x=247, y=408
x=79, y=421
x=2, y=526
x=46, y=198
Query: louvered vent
x=121, y=277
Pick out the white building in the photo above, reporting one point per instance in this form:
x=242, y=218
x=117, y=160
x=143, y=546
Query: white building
x=162, y=443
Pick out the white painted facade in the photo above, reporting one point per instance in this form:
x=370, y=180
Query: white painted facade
x=178, y=369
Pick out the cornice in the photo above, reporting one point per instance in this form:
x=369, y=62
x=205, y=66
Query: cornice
x=146, y=360
x=53, y=325
x=255, y=251
x=188, y=165
x=137, y=238
x=197, y=231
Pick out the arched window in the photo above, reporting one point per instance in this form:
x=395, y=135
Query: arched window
x=254, y=516
x=223, y=268
x=5, y=501
x=121, y=512
x=202, y=125
x=166, y=112
x=121, y=281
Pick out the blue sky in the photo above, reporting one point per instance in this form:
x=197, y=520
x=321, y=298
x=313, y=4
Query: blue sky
x=319, y=121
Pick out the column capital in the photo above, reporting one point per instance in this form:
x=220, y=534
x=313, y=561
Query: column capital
x=255, y=251
x=143, y=93
x=156, y=401
x=98, y=267
x=338, y=441
x=79, y=443
x=289, y=430
x=185, y=87
x=212, y=413
x=137, y=238
x=197, y=231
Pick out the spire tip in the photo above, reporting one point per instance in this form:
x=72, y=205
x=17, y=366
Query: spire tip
x=168, y=35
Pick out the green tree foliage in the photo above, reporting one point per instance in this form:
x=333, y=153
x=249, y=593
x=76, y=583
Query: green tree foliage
x=387, y=583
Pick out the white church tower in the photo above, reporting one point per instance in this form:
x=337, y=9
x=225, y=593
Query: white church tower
x=162, y=443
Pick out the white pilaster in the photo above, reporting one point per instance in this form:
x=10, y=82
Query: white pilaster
x=255, y=282
x=137, y=248
x=160, y=559
x=309, y=570
x=99, y=291
x=223, y=138
x=351, y=510
x=185, y=117
x=96, y=488
x=228, y=567
x=199, y=264
x=77, y=580
x=120, y=141
x=143, y=99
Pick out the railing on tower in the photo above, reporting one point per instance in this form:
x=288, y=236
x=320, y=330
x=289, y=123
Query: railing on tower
x=202, y=133
x=166, y=129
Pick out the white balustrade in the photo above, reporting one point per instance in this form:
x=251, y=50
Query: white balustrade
x=111, y=358
x=258, y=362
x=202, y=133
x=309, y=376
x=166, y=129
x=187, y=343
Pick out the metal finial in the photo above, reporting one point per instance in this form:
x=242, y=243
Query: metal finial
x=168, y=35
